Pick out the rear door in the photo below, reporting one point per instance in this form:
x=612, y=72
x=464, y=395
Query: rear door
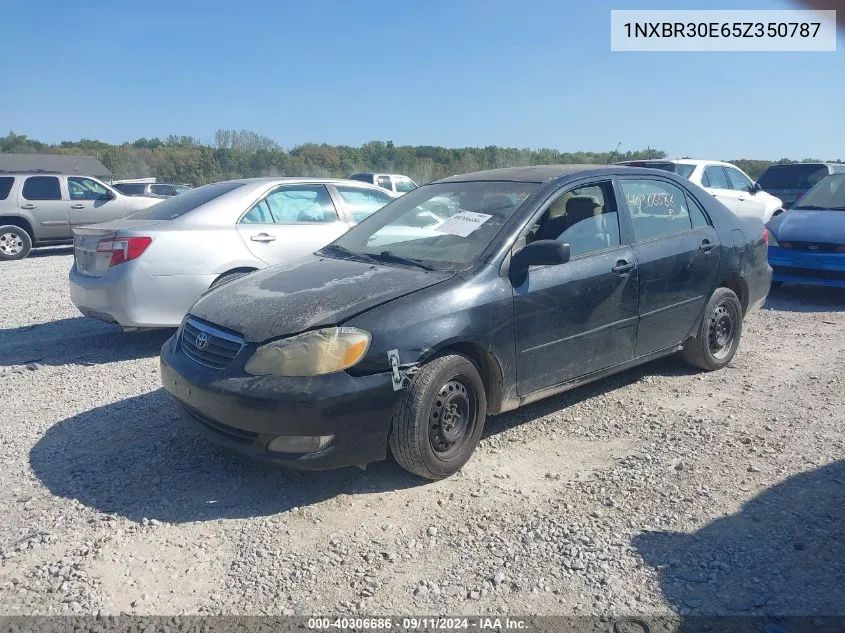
x=42, y=198
x=677, y=256
x=289, y=222
x=715, y=180
x=92, y=203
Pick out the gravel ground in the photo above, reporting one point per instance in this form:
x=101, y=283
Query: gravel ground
x=657, y=491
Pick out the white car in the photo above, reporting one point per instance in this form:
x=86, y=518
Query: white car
x=726, y=182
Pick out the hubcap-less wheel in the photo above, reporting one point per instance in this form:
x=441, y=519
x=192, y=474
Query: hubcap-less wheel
x=721, y=332
x=11, y=244
x=452, y=418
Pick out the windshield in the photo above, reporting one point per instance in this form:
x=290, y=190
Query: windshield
x=444, y=226
x=177, y=206
x=682, y=169
x=828, y=194
x=798, y=176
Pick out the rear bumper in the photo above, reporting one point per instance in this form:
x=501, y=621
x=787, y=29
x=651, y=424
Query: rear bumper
x=245, y=413
x=759, y=281
x=805, y=267
x=131, y=297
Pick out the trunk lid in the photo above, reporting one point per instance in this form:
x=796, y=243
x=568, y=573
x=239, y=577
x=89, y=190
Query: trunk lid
x=93, y=263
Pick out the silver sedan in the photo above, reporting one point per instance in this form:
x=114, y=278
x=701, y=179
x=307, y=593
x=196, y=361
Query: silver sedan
x=147, y=270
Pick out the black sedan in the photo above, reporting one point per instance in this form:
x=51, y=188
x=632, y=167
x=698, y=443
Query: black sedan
x=409, y=330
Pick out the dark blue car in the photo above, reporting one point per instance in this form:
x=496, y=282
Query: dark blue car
x=807, y=242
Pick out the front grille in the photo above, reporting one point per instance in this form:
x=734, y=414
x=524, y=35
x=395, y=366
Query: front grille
x=208, y=345
x=815, y=247
x=230, y=433
x=812, y=273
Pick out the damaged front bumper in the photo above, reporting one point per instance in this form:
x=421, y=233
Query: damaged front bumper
x=247, y=413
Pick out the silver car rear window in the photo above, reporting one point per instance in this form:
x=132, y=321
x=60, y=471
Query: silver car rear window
x=177, y=206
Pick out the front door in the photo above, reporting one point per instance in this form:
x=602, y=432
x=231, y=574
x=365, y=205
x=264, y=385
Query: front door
x=41, y=198
x=291, y=221
x=678, y=257
x=576, y=318
x=92, y=203
x=749, y=204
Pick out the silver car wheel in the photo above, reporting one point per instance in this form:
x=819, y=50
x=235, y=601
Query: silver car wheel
x=10, y=244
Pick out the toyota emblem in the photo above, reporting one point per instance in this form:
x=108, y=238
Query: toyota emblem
x=202, y=340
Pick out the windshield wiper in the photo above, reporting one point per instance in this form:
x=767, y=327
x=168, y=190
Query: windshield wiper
x=387, y=256
x=337, y=249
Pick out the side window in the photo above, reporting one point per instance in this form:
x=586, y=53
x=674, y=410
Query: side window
x=404, y=185
x=258, y=214
x=361, y=202
x=42, y=188
x=738, y=180
x=6, y=183
x=586, y=218
x=699, y=220
x=384, y=181
x=301, y=204
x=714, y=176
x=85, y=189
x=164, y=190
x=657, y=208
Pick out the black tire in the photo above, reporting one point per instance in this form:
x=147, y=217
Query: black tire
x=420, y=441
x=224, y=279
x=718, y=335
x=15, y=243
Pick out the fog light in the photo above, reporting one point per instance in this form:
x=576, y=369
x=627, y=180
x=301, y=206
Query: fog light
x=300, y=443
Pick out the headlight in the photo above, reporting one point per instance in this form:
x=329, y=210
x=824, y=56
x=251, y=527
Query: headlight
x=310, y=354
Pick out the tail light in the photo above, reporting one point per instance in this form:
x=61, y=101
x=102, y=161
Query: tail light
x=766, y=236
x=124, y=249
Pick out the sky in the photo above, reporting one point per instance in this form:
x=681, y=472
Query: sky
x=515, y=73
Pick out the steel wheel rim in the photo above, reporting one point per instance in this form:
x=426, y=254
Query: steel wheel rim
x=11, y=243
x=451, y=420
x=721, y=331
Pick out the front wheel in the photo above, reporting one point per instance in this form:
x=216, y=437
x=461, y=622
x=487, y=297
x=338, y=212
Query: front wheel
x=718, y=335
x=439, y=418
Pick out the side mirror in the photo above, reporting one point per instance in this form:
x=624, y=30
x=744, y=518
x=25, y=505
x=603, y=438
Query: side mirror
x=540, y=253
x=756, y=188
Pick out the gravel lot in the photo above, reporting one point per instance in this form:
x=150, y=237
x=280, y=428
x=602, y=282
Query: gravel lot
x=660, y=490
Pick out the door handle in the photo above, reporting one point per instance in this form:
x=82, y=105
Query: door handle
x=741, y=197
x=77, y=206
x=262, y=237
x=706, y=246
x=27, y=206
x=623, y=268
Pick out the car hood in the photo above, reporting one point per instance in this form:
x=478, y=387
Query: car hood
x=311, y=292
x=796, y=225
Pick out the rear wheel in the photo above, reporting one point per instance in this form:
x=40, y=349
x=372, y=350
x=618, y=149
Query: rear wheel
x=718, y=335
x=439, y=418
x=15, y=243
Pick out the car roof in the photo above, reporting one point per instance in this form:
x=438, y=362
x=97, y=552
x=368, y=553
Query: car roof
x=535, y=173
x=304, y=179
x=678, y=161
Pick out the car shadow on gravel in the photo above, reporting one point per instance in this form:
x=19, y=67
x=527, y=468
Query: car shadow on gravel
x=782, y=554
x=50, y=251
x=137, y=458
x=77, y=340
x=792, y=298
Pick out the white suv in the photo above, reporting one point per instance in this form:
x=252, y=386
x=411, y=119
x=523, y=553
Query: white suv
x=727, y=183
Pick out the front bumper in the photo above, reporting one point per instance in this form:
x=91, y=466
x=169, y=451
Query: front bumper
x=806, y=267
x=245, y=413
x=132, y=297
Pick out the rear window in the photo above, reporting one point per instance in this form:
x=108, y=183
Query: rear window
x=798, y=176
x=6, y=183
x=131, y=189
x=684, y=171
x=177, y=206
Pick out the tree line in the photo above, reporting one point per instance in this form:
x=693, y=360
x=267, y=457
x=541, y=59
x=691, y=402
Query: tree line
x=245, y=154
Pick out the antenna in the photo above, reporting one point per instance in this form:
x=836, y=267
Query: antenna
x=613, y=154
